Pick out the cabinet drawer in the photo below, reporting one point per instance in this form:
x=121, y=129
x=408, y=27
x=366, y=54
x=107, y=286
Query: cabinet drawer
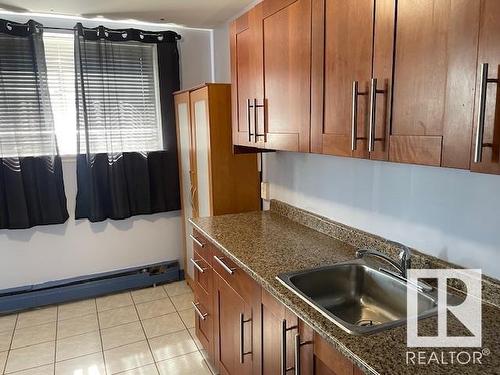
x=202, y=274
x=204, y=323
x=202, y=246
x=233, y=275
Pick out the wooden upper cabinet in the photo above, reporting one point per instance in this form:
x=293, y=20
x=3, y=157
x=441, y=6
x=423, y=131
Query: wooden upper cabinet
x=489, y=53
x=344, y=64
x=271, y=73
x=246, y=73
x=286, y=38
x=434, y=82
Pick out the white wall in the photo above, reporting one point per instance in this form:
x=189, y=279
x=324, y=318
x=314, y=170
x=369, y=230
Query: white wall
x=79, y=247
x=221, y=52
x=451, y=214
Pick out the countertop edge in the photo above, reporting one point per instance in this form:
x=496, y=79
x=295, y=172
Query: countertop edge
x=263, y=283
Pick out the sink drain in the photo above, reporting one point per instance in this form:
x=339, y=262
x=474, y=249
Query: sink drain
x=366, y=323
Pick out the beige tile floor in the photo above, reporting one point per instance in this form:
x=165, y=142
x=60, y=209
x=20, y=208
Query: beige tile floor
x=142, y=332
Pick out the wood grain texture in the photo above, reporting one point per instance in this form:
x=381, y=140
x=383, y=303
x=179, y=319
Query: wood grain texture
x=331, y=358
x=286, y=33
x=203, y=295
x=241, y=91
x=306, y=349
x=434, y=76
x=489, y=52
x=317, y=74
x=235, y=178
x=179, y=99
x=348, y=58
x=228, y=306
x=423, y=150
x=273, y=313
x=385, y=14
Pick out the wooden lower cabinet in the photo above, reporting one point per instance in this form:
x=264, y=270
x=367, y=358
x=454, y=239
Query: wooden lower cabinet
x=246, y=331
x=233, y=331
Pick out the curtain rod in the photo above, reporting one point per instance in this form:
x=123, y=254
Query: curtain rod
x=73, y=29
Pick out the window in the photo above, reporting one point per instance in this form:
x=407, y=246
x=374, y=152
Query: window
x=133, y=91
x=61, y=77
x=25, y=114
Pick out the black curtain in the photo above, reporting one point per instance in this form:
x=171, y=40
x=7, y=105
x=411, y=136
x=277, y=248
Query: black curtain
x=31, y=183
x=119, y=175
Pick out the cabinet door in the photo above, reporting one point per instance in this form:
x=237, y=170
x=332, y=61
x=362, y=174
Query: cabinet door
x=329, y=361
x=286, y=340
x=247, y=78
x=279, y=328
x=286, y=38
x=347, y=58
x=489, y=53
x=182, y=114
x=434, y=81
x=233, y=330
x=202, y=194
x=380, y=102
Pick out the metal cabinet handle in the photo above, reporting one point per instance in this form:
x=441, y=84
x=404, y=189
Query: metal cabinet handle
x=249, y=105
x=200, y=244
x=373, y=108
x=195, y=263
x=224, y=265
x=284, y=330
x=256, y=119
x=354, y=115
x=297, y=354
x=202, y=316
x=242, y=338
x=479, y=141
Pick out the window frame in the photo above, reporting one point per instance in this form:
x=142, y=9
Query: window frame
x=157, y=92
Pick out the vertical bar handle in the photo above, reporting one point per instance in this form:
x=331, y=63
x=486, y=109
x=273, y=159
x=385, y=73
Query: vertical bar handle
x=354, y=116
x=248, y=121
x=297, y=354
x=373, y=108
x=283, y=347
x=242, y=338
x=478, y=151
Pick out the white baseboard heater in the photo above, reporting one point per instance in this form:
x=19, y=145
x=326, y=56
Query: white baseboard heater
x=61, y=291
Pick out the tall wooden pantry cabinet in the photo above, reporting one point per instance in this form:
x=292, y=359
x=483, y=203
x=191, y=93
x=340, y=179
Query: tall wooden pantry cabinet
x=214, y=180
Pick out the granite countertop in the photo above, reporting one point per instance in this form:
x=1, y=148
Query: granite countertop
x=265, y=244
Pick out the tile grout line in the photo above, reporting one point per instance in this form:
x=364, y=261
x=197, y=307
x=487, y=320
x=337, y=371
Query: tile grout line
x=144, y=331
x=189, y=333
x=55, y=342
x=100, y=337
x=10, y=345
x=100, y=332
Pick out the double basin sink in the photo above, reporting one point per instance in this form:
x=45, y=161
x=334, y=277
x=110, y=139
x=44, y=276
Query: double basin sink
x=359, y=298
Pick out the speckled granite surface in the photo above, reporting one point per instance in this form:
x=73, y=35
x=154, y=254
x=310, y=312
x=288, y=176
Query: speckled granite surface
x=265, y=244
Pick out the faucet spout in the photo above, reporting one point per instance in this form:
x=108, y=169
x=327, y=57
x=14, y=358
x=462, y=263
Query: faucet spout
x=404, y=258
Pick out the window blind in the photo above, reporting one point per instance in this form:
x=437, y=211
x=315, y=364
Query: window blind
x=117, y=82
x=26, y=124
x=60, y=61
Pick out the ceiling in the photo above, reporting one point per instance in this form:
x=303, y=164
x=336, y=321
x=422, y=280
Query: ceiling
x=191, y=13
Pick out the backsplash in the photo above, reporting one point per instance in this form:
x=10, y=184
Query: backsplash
x=362, y=239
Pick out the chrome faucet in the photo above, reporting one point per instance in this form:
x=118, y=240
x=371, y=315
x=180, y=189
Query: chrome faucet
x=404, y=258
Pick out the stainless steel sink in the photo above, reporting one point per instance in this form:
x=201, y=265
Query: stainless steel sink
x=357, y=297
